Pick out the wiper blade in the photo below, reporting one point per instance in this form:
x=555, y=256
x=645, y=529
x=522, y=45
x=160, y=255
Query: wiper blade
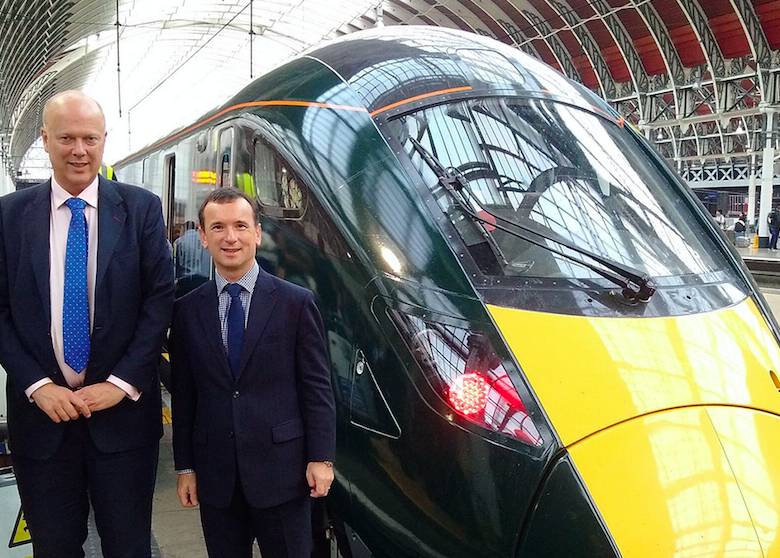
x=636, y=285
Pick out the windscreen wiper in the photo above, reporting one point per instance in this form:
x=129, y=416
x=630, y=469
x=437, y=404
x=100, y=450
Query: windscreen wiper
x=635, y=284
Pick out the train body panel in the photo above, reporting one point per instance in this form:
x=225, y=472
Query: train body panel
x=504, y=269
x=687, y=480
x=642, y=365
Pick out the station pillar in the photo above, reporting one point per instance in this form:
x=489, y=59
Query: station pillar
x=751, y=210
x=767, y=174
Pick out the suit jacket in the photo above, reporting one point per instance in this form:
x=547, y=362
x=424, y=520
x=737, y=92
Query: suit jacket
x=133, y=306
x=278, y=415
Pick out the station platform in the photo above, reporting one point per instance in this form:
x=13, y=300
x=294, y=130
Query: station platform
x=763, y=263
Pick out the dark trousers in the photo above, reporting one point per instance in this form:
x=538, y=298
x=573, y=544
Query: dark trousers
x=282, y=531
x=774, y=232
x=56, y=494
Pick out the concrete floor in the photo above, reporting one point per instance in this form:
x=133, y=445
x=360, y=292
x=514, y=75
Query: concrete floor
x=176, y=529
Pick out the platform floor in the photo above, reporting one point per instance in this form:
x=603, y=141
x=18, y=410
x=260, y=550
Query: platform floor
x=751, y=253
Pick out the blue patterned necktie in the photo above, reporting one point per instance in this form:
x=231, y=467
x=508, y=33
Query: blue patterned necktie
x=235, y=326
x=75, y=306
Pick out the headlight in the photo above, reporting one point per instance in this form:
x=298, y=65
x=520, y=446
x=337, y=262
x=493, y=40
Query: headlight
x=465, y=371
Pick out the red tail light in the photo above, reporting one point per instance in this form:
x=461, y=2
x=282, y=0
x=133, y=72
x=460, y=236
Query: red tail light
x=464, y=369
x=468, y=394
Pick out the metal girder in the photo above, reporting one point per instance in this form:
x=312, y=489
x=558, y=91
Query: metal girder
x=753, y=31
x=556, y=45
x=674, y=66
x=423, y=11
x=660, y=34
x=519, y=38
x=589, y=47
x=626, y=46
x=701, y=26
x=504, y=21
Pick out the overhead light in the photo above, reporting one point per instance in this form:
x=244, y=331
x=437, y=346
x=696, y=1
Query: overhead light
x=696, y=85
x=660, y=135
x=740, y=129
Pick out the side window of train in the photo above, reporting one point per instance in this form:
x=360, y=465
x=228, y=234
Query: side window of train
x=284, y=195
x=225, y=158
x=278, y=189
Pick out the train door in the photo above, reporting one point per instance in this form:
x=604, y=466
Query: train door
x=376, y=438
x=169, y=186
x=225, y=157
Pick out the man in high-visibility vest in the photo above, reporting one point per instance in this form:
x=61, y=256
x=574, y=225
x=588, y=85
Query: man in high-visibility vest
x=107, y=171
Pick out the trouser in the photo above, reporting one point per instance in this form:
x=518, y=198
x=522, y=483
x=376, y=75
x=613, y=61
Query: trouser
x=774, y=232
x=56, y=494
x=282, y=531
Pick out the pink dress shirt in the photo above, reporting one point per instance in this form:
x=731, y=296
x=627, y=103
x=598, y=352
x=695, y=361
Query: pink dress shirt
x=59, y=223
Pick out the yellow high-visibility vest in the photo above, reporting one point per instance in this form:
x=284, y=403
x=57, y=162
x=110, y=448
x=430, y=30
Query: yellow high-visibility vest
x=107, y=171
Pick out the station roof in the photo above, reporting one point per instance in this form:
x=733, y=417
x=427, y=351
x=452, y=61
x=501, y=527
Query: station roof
x=695, y=75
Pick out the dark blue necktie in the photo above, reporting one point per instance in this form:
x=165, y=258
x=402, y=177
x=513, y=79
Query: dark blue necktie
x=75, y=305
x=235, y=326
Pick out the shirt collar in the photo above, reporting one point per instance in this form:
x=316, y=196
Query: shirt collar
x=247, y=281
x=60, y=195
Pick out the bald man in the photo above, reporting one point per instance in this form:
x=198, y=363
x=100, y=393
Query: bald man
x=86, y=294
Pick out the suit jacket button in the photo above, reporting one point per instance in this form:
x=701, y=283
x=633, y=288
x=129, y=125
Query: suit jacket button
x=230, y=434
x=235, y=395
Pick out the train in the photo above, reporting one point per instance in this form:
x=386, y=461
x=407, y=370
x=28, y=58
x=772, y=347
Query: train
x=541, y=345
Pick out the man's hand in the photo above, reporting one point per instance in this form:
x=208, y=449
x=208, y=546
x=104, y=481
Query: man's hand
x=320, y=477
x=101, y=396
x=187, y=489
x=60, y=403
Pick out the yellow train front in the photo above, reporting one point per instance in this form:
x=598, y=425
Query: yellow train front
x=541, y=344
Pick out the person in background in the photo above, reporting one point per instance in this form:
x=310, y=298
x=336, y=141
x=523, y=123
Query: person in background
x=254, y=428
x=86, y=296
x=773, y=219
x=191, y=261
x=107, y=171
x=720, y=219
x=740, y=227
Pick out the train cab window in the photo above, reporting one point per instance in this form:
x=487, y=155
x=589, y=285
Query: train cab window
x=533, y=172
x=278, y=189
x=224, y=159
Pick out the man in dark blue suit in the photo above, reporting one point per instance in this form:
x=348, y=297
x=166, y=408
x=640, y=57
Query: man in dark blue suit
x=254, y=426
x=86, y=295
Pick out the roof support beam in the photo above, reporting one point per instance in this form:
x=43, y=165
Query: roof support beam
x=509, y=25
x=753, y=31
x=701, y=26
x=556, y=45
x=626, y=47
x=589, y=47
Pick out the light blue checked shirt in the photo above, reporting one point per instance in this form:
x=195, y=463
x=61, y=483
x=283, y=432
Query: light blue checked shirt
x=248, y=282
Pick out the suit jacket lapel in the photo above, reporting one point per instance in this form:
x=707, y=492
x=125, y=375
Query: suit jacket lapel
x=209, y=319
x=111, y=219
x=260, y=310
x=37, y=217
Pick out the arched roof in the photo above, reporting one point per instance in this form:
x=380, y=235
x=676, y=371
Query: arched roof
x=695, y=75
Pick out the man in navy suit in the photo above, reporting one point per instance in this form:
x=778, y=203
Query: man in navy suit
x=86, y=296
x=254, y=427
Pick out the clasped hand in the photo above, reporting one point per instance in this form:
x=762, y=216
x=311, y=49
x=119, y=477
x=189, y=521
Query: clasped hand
x=62, y=404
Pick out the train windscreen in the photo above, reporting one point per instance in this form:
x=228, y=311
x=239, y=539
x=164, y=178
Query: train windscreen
x=538, y=185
